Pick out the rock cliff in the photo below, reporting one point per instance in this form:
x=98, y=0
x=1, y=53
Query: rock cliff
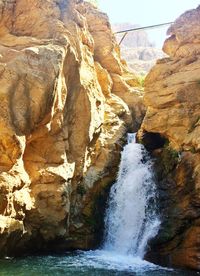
x=171, y=129
x=66, y=103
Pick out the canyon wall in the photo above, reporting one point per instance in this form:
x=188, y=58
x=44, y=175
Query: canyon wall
x=171, y=130
x=67, y=101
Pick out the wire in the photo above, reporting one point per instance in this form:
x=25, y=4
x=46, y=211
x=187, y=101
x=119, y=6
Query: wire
x=143, y=28
x=123, y=38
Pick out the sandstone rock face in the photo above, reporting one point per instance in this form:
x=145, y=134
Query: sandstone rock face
x=172, y=97
x=63, y=117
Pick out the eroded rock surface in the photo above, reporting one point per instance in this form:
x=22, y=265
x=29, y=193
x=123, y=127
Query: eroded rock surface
x=66, y=101
x=172, y=95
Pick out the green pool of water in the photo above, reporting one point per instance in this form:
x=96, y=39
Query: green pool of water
x=91, y=263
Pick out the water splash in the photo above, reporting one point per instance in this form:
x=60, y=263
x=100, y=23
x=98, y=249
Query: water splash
x=131, y=219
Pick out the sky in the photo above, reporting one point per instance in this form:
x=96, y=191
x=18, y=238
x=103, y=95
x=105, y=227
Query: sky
x=147, y=12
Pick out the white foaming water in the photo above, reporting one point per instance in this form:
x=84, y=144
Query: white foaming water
x=131, y=219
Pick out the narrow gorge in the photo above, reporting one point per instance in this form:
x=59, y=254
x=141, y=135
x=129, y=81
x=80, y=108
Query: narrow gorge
x=68, y=100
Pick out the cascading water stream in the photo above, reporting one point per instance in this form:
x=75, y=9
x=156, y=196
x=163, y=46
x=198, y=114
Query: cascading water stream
x=131, y=218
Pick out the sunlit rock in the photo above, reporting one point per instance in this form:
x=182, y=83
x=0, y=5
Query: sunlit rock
x=172, y=97
x=61, y=124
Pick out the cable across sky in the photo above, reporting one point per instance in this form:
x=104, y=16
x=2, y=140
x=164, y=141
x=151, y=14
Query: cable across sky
x=140, y=28
x=143, y=28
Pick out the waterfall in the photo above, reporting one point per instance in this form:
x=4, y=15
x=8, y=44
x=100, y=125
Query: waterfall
x=131, y=219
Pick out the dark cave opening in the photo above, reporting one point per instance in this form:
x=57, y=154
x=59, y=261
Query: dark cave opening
x=153, y=140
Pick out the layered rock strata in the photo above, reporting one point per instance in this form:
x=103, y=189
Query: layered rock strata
x=171, y=129
x=65, y=105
